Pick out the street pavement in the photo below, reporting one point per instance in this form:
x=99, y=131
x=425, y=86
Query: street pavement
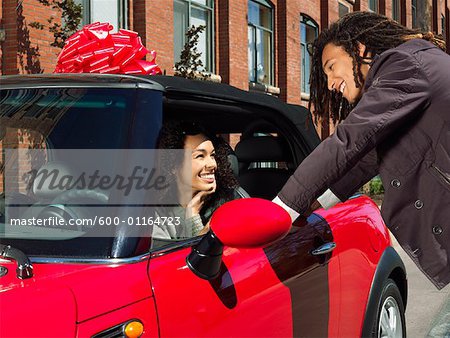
x=428, y=309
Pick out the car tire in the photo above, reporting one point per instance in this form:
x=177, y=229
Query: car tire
x=390, y=320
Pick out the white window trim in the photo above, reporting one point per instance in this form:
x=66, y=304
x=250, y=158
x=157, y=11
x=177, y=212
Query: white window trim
x=211, y=41
x=272, y=45
x=305, y=95
x=347, y=4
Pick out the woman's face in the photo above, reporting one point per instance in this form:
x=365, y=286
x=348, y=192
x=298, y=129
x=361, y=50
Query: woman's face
x=201, y=153
x=338, y=67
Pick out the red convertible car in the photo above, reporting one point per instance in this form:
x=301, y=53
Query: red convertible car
x=254, y=274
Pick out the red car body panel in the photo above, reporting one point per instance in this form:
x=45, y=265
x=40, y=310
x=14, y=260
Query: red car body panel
x=197, y=307
x=143, y=310
x=96, y=288
x=60, y=296
x=38, y=307
x=362, y=237
x=84, y=299
x=248, y=295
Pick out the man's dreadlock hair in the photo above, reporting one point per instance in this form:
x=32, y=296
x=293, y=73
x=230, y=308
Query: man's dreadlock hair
x=377, y=32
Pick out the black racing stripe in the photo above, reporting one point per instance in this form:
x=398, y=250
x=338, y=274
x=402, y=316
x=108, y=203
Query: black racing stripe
x=305, y=275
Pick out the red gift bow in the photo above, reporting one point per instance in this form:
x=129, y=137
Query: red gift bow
x=94, y=50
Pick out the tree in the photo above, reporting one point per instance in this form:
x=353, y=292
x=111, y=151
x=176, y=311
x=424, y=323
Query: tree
x=71, y=14
x=190, y=65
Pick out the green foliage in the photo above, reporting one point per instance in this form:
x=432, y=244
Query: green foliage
x=37, y=25
x=376, y=186
x=190, y=65
x=71, y=14
x=27, y=52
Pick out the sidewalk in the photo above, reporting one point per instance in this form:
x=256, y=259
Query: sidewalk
x=428, y=309
x=441, y=325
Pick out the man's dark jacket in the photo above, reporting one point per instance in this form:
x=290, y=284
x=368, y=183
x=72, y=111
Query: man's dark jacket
x=400, y=129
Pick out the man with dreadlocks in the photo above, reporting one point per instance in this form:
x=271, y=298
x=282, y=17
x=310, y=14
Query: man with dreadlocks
x=390, y=87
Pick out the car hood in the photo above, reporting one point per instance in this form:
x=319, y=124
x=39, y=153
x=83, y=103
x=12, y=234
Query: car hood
x=59, y=295
x=42, y=306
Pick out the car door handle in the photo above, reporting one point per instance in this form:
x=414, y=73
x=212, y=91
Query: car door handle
x=324, y=249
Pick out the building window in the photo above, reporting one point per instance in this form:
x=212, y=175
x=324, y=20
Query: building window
x=309, y=31
x=260, y=42
x=414, y=13
x=396, y=10
x=373, y=6
x=112, y=11
x=443, y=25
x=343, y=9
x=188, y=13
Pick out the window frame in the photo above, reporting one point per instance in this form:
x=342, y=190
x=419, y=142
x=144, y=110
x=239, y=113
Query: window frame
x=443, y=32
x=377, y=6
x=308, y=21
x=396, y=10
x=414, y=13
x=340, y=5
x=122, y=10
x=210, y=29
x=272, y=44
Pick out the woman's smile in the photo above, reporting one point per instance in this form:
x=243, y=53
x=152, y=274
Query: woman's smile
x=208, y=177
x=202, y=163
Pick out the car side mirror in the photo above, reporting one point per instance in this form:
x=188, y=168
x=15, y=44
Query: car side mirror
x=242, y=223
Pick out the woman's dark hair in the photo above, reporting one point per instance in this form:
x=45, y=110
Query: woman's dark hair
x=173, y=135
x=377, y=32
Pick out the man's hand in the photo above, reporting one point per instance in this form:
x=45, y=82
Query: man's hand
x=313, y=207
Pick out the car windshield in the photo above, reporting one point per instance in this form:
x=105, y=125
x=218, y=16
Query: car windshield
x=38, y=124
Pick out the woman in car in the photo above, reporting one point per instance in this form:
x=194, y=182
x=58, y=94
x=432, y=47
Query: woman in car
x=201, y=181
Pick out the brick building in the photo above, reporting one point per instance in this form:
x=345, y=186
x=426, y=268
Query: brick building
x=251, y=44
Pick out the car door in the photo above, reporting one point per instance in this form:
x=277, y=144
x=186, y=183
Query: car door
x=278, y=291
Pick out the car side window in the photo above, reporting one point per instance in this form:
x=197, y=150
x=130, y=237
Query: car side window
x=260, y=162
x=203, y=179
x=31, y=148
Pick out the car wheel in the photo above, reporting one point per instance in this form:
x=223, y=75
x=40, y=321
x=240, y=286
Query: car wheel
x=390, y=322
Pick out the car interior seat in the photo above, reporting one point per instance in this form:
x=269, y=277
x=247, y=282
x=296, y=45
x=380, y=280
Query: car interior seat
x=265, y=164
x=234, y=164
